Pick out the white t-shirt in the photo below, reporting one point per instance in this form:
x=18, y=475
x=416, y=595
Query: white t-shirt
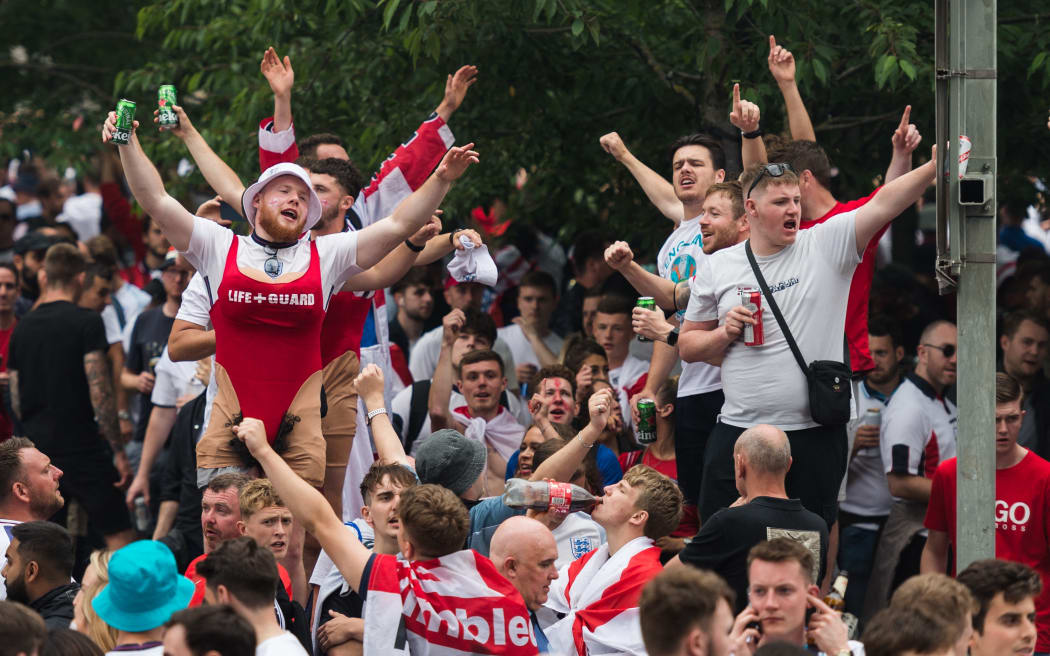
x=132, y=301
x=521, y=349
x=867, y=492
x=576, y=536
x=424, y=358
x=196, y=308
x=810, y=280
x=283, y=645
x=210, y=244
x=918, y=429
x=677, y=261
x=628, y=380
x=172, y=382
x=5, y=541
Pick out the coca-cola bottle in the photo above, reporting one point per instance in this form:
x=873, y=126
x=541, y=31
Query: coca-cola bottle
x=544, y=495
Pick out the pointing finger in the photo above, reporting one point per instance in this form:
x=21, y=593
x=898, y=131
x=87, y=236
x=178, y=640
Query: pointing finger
x=736, y=98
x=772, y=43
x=905, y=118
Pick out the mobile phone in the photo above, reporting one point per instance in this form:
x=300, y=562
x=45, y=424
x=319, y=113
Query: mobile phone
x=756, y=625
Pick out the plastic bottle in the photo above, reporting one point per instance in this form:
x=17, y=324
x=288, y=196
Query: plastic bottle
x=544, y=495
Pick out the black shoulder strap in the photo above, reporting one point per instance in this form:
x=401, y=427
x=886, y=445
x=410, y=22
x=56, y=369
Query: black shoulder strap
x=418, y=411
x=353, y=218
x=776, y=310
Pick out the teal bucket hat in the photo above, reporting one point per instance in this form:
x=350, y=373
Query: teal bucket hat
x=144, y=588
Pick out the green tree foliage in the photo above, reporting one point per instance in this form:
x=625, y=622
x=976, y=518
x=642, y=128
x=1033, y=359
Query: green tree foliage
x=554, y=76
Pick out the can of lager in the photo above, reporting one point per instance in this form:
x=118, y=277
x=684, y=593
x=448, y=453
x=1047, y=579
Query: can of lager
x=648, y=303
x=646, y=421
x=752, y=300
x=167, y=119
x=125, y=122
x=873, y=417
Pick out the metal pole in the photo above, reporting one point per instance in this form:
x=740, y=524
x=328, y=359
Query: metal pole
x=972, y=238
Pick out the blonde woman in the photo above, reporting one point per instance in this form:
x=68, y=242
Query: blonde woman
x=96, y=576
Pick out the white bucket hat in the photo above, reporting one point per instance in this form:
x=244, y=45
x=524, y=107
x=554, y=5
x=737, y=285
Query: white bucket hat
x=313, y=214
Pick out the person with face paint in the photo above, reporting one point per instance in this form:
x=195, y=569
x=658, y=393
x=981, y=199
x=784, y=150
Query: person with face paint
x=271, y=291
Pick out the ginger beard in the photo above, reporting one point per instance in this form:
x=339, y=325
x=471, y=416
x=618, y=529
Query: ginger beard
x=276, y=227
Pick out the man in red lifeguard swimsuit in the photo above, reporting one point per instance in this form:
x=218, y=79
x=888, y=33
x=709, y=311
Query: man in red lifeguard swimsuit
x=270, y=293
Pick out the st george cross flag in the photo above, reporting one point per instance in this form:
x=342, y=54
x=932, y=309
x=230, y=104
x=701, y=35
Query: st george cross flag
x=503, y=433
x=450, y=606
x=599, y=597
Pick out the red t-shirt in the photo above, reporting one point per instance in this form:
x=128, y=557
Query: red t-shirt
x=1022, y=522
x=200, y=582
x=859, y=289
x=690, y=522
x=5, y=421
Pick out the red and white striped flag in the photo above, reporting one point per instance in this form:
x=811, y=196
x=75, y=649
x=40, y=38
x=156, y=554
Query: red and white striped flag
x=451, y=606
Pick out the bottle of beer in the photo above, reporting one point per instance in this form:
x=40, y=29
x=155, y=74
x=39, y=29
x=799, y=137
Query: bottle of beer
x=835, y=599
x=544, y=495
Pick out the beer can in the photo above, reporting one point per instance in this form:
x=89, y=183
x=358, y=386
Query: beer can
x=646, y=421
x=873, y=417
x=752, y=300
x=648, y=303
x=965, y=145
x=125, y=122
x=167, y=119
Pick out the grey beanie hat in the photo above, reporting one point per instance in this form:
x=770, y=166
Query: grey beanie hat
x=450, y=460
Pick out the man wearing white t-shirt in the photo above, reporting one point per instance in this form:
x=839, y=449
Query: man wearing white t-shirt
x=532, y=342
x=612, y=329
x=243, y=575
x=810, y=273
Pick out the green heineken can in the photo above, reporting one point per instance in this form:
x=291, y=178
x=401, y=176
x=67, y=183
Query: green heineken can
x=167, y=119
x=649, y=303
x=646, y=421
x=125, y=122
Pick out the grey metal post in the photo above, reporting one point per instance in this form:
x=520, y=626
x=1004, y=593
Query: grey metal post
x=971, y=208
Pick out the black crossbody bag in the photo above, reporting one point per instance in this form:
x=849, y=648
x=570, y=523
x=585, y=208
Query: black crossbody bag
x=830, y=392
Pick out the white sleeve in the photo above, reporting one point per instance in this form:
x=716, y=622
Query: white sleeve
x=276, y=142
x=112, y=324
x=338, y=255
x=838, y=239
x=196, y=303
x=209, y=244
x=423, y=360
x=905, y=432
x=165, y=390
x=703, y=303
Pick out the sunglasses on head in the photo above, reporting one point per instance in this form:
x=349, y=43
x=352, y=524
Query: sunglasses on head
x=948, y=350
x=772, y=170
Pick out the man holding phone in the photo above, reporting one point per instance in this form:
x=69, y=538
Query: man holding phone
x=784, y=603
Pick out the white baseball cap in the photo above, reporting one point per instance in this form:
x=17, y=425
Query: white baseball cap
x=313, y=214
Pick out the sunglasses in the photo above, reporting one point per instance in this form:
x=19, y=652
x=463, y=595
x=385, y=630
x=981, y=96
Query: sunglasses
x=948, y=350
x=772, y=170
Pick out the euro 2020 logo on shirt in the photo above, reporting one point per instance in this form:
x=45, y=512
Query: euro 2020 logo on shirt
x=682, y=268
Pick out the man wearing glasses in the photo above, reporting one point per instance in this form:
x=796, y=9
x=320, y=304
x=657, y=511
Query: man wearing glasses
x=918, y=431
x=809, y=273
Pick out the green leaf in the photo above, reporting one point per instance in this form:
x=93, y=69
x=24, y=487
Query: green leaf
x=820, y=69
x=883, y=68
x=537, y=10
x=577, y=27
x=908, y=68
x=592, y=27
x=389, y=11
x=1037, y=62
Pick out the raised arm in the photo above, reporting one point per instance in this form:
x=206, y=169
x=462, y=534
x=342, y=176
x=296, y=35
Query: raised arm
x=620, y=257
x=782, y=66
x=369, y=384
x=746, y=116
x=456, y=90
x=307, y=504
x=893, y=199
x=100, y=389
x=148, y=188
x=378, y=239
x=445, y=243
x=281, y=78
x=441, y=383
x=659, y=191
x=217, y=173
x=565, y=461
x=906, y=138
x=394, y=266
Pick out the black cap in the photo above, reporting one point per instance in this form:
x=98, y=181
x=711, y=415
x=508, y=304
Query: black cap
x=34, y=241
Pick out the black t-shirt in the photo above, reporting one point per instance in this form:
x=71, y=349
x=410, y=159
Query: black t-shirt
x=725, y=539
x=149, y=336
x=180, y=472
x=47, y=349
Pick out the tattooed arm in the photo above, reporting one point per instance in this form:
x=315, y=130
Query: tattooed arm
x=100, y=386
x=16, y=398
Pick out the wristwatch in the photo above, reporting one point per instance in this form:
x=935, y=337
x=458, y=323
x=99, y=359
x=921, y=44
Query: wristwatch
x=672, y=337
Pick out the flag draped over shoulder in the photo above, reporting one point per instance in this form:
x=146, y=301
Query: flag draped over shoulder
x=598, y=595
x=503, y=432
x=450, y=606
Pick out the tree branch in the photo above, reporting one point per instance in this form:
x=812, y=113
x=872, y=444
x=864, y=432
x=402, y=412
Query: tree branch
x=846, y=122
x=104, y=95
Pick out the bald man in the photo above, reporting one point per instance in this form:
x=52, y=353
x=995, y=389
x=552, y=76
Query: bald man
x=761, y=459
x=524, y=552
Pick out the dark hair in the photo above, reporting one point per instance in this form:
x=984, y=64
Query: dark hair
x=96, y=270
x=615, y=304
x=987, y=578
x=21, y=630
x=713, y=146
x=676, y=601
x=580, y=350
x=589, y=245
x=62, y=264
x=894, y=630
x=805, y=156
x=434, y=518
x=14, y=208
x=13, y=269
x=223, y=482
x=882, y=326
x=1012, y=321
x=539, y=280
x=1007, y=389
x=397, y=472
x=11, y=471
x=247, y=570
x=343, y=171
x=416, y=277
x=63, y=641
x=103, y=251
x=48, y=544
x=217, y=628
x=308, y=146
x=753, y=175
x=553, y=371
x=484, y=355
x=479, y=324
x=782, y=550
